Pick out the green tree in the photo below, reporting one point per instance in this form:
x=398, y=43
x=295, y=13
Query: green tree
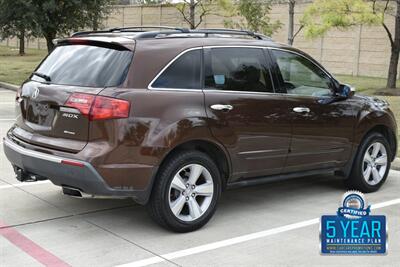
x=189, y=9
x=141, y=2
x=153, y=2
x=254, y=16
x=98, y=11
x=16, y=20
x=58, y=18
x=323, y=15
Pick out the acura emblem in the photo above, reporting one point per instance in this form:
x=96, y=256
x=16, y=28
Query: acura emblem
x=35, y=93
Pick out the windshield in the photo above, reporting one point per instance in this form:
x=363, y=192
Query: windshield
x=84, y=65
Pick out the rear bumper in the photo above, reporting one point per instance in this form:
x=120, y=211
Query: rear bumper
x=67, y=172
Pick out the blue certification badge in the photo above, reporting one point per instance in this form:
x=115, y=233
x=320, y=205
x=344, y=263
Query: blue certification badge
x=353, y=230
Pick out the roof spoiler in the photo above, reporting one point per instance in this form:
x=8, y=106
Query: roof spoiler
x=99, y=43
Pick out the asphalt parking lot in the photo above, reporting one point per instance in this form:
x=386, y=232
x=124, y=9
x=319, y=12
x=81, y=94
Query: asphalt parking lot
x=274, y=224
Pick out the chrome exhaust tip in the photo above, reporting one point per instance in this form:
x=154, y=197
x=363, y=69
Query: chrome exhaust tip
x=72, y=192
x=77, y=193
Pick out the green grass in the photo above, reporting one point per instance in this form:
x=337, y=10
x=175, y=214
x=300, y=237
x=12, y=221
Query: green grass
x=363, y=84
x=15, y=69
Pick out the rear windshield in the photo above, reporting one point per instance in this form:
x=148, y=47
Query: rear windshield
x=85, y=65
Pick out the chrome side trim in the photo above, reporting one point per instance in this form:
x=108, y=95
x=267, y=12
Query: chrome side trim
x=174, y=89
x=259, y=151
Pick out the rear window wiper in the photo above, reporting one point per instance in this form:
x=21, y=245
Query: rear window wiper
x=42, y=75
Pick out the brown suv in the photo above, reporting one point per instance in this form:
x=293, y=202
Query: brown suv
x=172, y=117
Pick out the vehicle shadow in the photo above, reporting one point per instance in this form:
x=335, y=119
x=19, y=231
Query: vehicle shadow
x=237, y=207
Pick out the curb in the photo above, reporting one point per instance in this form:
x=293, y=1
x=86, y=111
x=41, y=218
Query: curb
x=396, y=164
x=9, y=86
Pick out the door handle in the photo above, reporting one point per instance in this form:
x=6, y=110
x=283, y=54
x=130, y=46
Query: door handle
x=301, y=110
x=222, y=107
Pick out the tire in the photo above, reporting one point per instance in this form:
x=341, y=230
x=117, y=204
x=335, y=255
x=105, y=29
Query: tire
x=371, y=166
x=170, y=190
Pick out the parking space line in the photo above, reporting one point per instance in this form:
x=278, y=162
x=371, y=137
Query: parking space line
x=23, y=184
x=8, y=119
x=31, y=248
x=238, y=240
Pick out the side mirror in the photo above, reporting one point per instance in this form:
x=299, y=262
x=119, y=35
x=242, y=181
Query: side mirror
x=342, y=92
x=345, y=91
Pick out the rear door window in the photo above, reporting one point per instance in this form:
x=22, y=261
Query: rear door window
x=238, y=69
x=183, y=73
x=85, y=65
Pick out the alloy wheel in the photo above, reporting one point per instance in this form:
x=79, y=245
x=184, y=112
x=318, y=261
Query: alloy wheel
x=191, y=192
x=374, y=163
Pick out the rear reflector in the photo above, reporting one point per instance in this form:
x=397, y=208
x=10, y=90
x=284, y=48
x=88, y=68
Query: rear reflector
x=99, y=107
x=72, y=163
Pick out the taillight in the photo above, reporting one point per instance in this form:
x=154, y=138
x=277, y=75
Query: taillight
x=109, y=108
x=82, y=102
x=99, y=107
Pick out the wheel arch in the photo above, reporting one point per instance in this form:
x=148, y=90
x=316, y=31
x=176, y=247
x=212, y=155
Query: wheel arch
x=215, y=151
x=388, y=134
x=381, y=121
x=367, y=129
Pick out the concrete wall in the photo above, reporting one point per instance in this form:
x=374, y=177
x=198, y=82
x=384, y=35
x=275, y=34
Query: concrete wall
x=361, y=50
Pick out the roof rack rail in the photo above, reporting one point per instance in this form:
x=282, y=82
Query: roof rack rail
x=232, y=31
x=132, y=29
x=146, y=32
x=183, y=30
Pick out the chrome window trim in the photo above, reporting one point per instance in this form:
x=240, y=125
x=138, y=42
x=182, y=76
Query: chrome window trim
x=150, y=87
x=242, y=92
x=297, y=53
x=261, y=93
x=319, y=67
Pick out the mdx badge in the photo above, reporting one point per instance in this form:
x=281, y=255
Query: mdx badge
x=70, y=116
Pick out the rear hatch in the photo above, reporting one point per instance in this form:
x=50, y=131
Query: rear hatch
x=55, y=103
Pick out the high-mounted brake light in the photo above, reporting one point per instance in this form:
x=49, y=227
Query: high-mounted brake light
x=77, y=41
x=99, y=107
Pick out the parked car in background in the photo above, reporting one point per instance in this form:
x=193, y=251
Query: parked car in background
x=171, y=117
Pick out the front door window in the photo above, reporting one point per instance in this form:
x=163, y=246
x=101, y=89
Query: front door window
x=301, y=76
